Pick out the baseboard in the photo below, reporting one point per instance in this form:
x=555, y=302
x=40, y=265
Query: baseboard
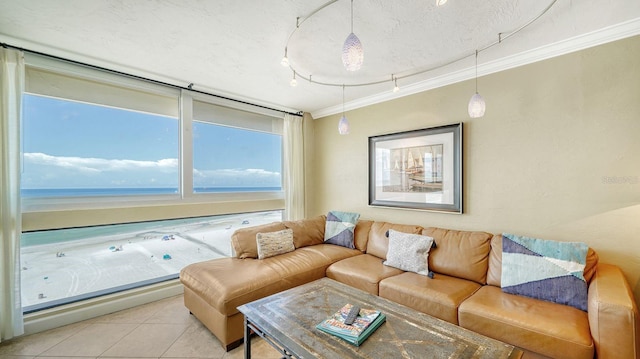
x=91, y=308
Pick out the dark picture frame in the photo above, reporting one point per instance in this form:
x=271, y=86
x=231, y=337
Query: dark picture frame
x=419, y=169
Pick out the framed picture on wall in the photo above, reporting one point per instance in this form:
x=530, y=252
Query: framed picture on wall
x=420, y=169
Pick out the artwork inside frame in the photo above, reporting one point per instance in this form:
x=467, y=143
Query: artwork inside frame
x=420, y=169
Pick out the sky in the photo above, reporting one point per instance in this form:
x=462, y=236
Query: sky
x=68, y=144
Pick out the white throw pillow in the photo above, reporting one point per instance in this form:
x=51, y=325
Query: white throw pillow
x=409, y=252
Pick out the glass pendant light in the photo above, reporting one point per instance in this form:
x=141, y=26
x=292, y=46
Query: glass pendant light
x=285, y=59
x=476, y=104
x=343, y=124
x=352, y=51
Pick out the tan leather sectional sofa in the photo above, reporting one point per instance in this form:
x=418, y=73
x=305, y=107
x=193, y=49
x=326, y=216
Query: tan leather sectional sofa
x=465, y=289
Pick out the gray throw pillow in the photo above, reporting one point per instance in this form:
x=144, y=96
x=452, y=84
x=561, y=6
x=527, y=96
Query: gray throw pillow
x=409, y=252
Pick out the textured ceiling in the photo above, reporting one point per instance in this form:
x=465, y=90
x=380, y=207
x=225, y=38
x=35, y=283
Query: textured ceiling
x=234, y=48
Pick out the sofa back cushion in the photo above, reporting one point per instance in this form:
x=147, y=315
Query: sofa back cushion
x=244, y=240
x=494, y=274
x=361, y=234
x=307, y=232
x=495, y=261
x=462, y=254
x=592, y=263
x=378, y=244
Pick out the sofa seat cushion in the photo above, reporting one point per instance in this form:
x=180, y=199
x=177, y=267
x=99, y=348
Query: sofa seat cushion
x=226, y=283
x=554, y=330
x=363, y=271
x=298, y=267
x=439, y=297
x=331, y=252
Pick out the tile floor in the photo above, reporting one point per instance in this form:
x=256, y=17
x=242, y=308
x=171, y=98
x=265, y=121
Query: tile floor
x=162, y=329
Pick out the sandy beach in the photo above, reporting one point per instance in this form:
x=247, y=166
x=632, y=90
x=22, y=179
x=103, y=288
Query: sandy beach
x=51, y=272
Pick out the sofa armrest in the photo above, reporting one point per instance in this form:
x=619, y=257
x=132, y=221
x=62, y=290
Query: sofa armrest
x=613, y=315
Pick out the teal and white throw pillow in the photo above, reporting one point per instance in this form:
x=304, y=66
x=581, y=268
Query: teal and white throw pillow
x=409, y=252
x=544, y=269
x=340, y=227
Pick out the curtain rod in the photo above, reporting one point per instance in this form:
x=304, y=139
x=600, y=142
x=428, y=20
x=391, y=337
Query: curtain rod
x=188, y=88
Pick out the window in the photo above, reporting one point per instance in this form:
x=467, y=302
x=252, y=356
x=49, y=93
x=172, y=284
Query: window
x=110, y=161
x=234, y=151
x=227, y=159
x=66, y=265
x=87, y=133
x=90, y=136
x=79, y=149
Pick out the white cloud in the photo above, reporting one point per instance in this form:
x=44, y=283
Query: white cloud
x=98, y=165
x=251, y=177
x=46, y=171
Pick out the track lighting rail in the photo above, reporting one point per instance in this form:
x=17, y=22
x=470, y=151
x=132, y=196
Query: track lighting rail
x=410, y=73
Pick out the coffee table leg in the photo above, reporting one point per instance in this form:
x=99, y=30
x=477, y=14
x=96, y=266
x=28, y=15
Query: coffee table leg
x=247, y=339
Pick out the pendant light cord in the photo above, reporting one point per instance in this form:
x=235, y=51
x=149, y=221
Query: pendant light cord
x=476, y=71
x=352, y=16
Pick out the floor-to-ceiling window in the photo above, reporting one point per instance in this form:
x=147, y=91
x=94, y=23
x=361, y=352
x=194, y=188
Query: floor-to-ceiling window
x=124, y=181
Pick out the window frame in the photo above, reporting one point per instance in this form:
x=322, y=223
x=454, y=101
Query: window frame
x=36, y=207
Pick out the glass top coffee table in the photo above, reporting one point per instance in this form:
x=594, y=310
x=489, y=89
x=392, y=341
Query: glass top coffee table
x=287, y=320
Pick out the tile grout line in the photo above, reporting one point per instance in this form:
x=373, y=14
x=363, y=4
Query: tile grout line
x=175, y=340
x=118, y=341
x=22, y=338
x=135, y=325
x=138, y=325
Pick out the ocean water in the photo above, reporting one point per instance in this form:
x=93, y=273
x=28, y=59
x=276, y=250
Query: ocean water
x=81, y=192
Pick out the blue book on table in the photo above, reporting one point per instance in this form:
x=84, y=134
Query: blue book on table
x=367, y=322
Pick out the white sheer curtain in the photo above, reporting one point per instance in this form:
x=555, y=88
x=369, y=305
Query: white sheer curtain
x=293, y=179
x=11, y=87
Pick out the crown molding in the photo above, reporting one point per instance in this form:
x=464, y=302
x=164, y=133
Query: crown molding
x=577, y=43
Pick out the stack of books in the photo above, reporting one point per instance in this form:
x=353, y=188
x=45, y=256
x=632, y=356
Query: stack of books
x=367, y=322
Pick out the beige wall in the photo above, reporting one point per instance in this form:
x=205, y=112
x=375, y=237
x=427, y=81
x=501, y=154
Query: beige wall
x=556, y=155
